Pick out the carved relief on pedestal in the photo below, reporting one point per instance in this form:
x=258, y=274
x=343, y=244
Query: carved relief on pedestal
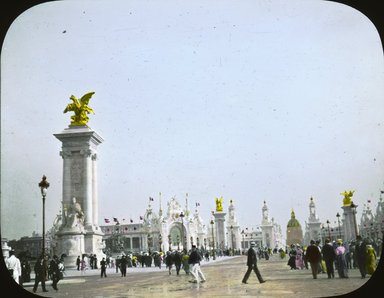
x=76, y=177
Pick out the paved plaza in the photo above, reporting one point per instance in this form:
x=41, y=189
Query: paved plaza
x=223, y=275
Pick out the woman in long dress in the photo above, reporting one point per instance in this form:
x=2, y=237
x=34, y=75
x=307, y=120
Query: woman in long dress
x=371, y=259
x=341, y=261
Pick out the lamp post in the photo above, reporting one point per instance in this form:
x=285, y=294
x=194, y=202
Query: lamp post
x=338, y=222
x=329, y=231
x=353, y=206
x=182, y=229
x=213, y=240
x=160, y=242
x=44, y=184
x=242, y=234
x=169, y=242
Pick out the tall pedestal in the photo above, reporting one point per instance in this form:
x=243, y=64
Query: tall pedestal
x=79, y=233
x=349, y=225
x=220, y=229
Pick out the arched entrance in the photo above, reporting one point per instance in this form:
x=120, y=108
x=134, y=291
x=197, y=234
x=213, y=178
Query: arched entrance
x=175, y=237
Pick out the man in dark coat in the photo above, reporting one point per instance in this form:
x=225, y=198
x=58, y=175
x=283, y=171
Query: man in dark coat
x=123, y=265
x=54, y=271
x=103, y=268
x=176, y=257
x=41, y=271
x=78, y=263
x=329, y=257
x=361, y=255
x=252, y=264
x=313, y=256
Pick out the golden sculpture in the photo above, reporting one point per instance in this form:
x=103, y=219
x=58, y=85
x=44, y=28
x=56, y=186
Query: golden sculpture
x=80, y=108
x=219, y=204
x=347, y=201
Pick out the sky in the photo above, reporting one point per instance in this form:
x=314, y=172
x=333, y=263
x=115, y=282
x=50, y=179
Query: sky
x=253, y=101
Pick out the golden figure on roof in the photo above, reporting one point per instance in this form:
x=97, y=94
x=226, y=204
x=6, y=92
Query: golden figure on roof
x=219, y=204
x=347, y=201
x=80, y=108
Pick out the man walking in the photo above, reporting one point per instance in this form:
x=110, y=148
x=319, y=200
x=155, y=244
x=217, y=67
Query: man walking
x=103, y=266
x=313, y=256
x=14, y=266
x=329, y=257
x=194, y=261
x=361, y=255
x=252, y=264
x=41, y=270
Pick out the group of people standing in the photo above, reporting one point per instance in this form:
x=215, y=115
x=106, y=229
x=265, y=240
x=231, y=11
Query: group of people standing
x=334, y=255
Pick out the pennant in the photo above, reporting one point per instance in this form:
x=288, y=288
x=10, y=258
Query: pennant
x=131, y=220
x=115, y=219
x=106, y=220
x=141, y=218
x=197, y=204
x=150, y=198
x=369, y=201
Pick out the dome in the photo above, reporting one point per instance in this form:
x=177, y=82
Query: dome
x=293, y=222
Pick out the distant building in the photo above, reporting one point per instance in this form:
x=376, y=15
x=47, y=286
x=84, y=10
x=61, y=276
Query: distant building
x=294, y=231
x=313, y=226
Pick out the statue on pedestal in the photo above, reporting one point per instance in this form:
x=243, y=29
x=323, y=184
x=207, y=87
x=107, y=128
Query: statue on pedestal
x=80, y=108
x=74, y=215
x=347, y=201
x=219, y=204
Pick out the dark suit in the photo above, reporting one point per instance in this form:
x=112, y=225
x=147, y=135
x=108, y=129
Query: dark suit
x=252, y=265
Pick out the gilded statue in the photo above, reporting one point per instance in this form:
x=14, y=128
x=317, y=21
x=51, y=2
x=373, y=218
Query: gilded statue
x=219, y=204
x=80, y=108
x=347, y=201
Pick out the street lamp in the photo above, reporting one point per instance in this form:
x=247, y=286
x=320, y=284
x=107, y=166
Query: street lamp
x=44, y=184
x=338, y=222
x=213, y=241
x=182, y=229
x=329, y=231
x=353, y=206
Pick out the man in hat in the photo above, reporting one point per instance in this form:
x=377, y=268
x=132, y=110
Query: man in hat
x=252, y=264
x=194, y=261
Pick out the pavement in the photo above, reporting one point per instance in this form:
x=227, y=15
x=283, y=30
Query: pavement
x=224, y=276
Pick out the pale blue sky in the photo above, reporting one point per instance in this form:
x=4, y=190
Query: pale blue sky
x=249, y=100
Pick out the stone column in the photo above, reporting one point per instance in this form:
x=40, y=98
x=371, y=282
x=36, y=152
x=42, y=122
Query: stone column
x=95, y=198
x=348, y=224
x=220, y=229
x=79, y=149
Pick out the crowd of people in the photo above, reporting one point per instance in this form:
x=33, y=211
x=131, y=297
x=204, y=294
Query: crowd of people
x=334, y=256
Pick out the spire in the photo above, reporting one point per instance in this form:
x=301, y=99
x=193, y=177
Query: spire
x=160, y=209
x=186, y=205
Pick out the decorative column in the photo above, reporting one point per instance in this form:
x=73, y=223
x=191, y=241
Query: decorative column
x=80, y=232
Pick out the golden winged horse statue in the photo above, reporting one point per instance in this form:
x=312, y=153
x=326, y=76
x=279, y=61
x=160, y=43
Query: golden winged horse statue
x=80, y=108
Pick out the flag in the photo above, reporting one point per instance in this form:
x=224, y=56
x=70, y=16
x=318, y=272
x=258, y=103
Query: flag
x=369, y=201
x=382, y=191
x=141, y=218
x=197, y=204
x=131, y=220
x=106, y=220
x=115, y=219
x=150, y=198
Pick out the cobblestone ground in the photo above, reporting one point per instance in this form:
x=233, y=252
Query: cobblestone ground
x=223, y=280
